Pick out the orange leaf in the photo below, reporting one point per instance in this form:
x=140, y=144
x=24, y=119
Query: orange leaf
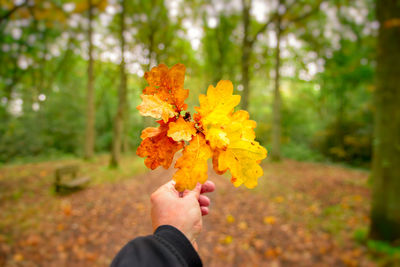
x=181, y=130
x=150, y=132
x=193, y=164
x=167, y=84
x=159, y=149
x=18, y=257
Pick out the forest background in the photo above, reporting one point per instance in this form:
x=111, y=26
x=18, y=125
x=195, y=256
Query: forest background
x=320, y=78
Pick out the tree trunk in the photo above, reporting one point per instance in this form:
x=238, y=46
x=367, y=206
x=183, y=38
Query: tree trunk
x=149, y=121
x=246, y=52
x=385, y=211
x=276, y=112
x=118, y=129
x=90, y=108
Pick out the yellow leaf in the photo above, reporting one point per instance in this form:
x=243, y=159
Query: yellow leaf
x=241, y=157
x=226, y=240
x=154, y=107
x=218, y=103
x=230, y=135
x=192, y=164
x=241, y=118
x=230, y=219
x=217, y=138
x=269, y=220
x=181, y=130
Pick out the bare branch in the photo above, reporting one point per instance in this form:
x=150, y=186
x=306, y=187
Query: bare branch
x=11, y=11
x=314, y=10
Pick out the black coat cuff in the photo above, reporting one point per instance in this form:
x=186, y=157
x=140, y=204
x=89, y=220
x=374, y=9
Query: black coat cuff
x=178, y=244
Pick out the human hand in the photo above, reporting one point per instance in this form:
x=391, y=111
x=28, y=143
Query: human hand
x=183, y=211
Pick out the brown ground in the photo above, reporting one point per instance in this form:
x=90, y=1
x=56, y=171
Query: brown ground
x=301, y=214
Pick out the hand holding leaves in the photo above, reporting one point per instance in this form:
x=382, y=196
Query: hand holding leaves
x=217, y=131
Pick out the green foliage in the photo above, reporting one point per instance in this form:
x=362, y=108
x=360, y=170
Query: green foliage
x=219, y=45
x=329, y=116
x=350, y=141
x=301, y=152
x=346, y=95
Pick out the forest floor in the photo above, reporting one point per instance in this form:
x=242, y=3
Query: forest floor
x=301, y=214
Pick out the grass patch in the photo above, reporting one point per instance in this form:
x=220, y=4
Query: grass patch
x=361, y=235
x=382, y=252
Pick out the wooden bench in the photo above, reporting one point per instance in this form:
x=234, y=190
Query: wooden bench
x=73, y=182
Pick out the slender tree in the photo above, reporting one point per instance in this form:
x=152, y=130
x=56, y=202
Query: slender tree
x=90, y=104
x=118, y=129
x=285, y=17
x=385, y=211
x=248, y=42
x=276, y=110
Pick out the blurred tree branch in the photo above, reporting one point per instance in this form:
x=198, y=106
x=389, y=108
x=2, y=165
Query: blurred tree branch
x=11, y=11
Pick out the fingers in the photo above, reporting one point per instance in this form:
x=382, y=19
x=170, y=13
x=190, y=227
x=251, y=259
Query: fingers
x=204, y=211
x=207, y=187
x=204, y=201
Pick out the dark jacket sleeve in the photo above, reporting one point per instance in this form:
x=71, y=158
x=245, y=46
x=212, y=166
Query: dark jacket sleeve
x=166, y=247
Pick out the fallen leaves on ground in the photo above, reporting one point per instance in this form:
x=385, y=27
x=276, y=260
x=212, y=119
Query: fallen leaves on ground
x=273, y=225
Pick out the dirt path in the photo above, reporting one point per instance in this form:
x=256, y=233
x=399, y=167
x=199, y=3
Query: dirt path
x=302, y=214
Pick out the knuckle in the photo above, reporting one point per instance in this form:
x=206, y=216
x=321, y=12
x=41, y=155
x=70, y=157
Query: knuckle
x=153, y=197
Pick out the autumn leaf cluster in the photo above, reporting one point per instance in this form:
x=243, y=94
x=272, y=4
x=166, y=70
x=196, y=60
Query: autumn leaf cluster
x=216, y=131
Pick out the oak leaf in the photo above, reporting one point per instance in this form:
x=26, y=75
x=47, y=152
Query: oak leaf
x=217, y=137
x=215, y=163
x=217, y=131
x=181, y=130
x=230, y=135
x=241, y=158
x=154, y=107
x=150, y=132
x=192, y=165
x=167, y=84
x=159, y=149
x=242, y=155
x=218, y=103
